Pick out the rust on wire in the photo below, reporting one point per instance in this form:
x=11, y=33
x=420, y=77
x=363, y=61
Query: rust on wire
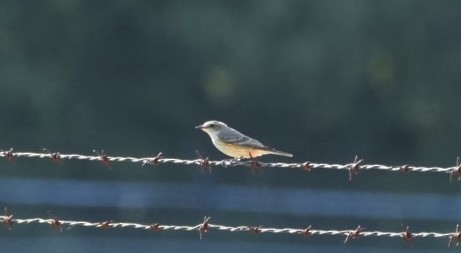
x=55, y=157
x=206, y=164
x=405, y=168
x=456, y=171
x=104, y=158
x=203, y=162
x=105, y=224
x=407, y=236
x=9, y=155
x=154, y=161
x=355, y=167
x=56, y=224
x=205, y=226
x=7, y=219
x=307, y=231
x=455, y=238
x=255, y=230
x=255, y=165
x=306, y=166
x=354, y=234
x=155, y=227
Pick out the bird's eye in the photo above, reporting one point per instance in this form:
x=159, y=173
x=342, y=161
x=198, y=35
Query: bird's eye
x=211, y=125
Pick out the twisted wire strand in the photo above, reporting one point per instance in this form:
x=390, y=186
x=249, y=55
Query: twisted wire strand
x=353, y=168
x=205, y=226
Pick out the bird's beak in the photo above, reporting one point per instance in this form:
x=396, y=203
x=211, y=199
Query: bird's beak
x=199, y=127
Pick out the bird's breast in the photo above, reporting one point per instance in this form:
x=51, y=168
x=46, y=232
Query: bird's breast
x=237, y=151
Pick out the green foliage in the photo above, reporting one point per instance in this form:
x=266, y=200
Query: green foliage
x=323, y=79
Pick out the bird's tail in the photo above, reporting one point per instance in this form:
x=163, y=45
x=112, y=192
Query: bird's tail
x=278, y=152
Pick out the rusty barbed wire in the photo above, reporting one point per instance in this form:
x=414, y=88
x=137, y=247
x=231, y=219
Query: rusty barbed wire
x=58, y=225
x=353, y=168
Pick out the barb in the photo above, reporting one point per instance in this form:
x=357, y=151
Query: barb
x=207, y=227
x=355, y=167
x=204, y=163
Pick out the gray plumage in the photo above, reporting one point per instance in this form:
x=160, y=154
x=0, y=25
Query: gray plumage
x=235, y=144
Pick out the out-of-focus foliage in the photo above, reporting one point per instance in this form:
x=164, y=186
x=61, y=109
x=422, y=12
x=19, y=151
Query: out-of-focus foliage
x=323, y=79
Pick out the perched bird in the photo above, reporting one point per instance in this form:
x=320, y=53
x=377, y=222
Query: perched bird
x=235, y=144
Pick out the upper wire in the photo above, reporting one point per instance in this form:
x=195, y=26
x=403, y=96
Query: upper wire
x=353, y=167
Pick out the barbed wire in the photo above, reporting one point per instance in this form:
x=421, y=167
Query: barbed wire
x=454, y=238
x=354, y=168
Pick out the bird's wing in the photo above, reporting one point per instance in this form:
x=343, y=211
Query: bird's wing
x=232, y=136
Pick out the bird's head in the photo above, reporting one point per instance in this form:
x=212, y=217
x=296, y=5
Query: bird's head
x=211, y=126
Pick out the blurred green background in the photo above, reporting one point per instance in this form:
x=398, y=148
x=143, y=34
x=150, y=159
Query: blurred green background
x=324, y=80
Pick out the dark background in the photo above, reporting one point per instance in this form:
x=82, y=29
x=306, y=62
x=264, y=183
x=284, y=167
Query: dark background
x=324, y=80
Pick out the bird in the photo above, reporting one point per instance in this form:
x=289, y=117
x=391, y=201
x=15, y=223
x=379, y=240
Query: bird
x=235, y=144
